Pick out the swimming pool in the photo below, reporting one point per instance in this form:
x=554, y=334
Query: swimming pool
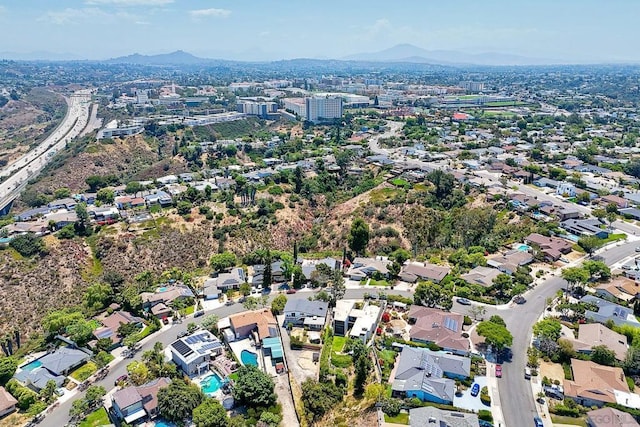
x=523, y=248
x=211, y=384
x=32, y=365
x=163, y=423
x=249, y=358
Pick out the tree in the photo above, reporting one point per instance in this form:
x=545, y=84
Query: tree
x=477, y=311
x=94, y=396
x=575, y=275
x=210, y=413
x=319, y=398
x=269, y=419
x=103, y=358
x=358, y=236
x=127, y=329
x=298, y=277
x=278, y=303
x=184, y=207
x=495, y=335
x=80, y=331
x=8, y=366
x=57, y=321
x=250, y=303
x=429, y=294
x=177, y=401
x=28, y=245
x=245, y=289
x=497, y=320
x=547, y=329
x=48, y=393
x=631, y=362
x=589, y=243
x=223, y=261
x=375, y=391
x=98, y=296
x=138, y=372
x=391, y=406
x=105, y=195
x=297, y=180
x=598, y=270
x=602, y=355
x=254, y=387
x=210, y=322
x=502, y=283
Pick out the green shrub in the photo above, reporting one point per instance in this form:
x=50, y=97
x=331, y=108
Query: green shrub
x=467, y=321
x=341, y=360
x=485, y=415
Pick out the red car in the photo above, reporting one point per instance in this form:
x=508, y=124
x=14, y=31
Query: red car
x=498, y=371
x=291, y=291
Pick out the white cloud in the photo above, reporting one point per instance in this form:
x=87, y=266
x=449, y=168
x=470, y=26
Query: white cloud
x=210, y=13
x=129, y=2
x=87, y=14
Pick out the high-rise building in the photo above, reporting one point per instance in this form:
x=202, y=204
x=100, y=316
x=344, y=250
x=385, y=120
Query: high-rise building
x=260, y=109
x=321, y=108
x=472, y=86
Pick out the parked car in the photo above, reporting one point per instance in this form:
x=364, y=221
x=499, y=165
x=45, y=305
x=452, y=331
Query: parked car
x=198, y=313
x=182, y=334
x=165, y=320
x=527, y=373
x=291, y=291
x=498, y=371
x=475, y=389
x=121, y=379
x=463, y=301
x=538, y=422
x=229, y=302
x=637, y=248
x=519, y=299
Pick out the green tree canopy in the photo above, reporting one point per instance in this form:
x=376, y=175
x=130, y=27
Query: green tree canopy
x=254, y=387
x=177, y=401
x=547, y=329
x=220, y=262
x=358, y=236
x=602, y=355
x=575, y=275
x=495, y=334
x=210, y=413
x=278, y=303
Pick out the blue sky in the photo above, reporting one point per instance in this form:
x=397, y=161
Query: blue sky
x=580, y=30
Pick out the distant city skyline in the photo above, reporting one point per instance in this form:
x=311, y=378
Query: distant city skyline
x=567, y=31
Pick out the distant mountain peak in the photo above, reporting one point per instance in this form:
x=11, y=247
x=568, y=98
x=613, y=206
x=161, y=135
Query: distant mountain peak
x=178, y=57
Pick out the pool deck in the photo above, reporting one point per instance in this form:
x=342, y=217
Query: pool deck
x=219, y=395
x=245, y=344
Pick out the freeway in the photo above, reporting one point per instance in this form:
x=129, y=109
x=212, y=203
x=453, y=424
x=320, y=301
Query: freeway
x=30, y=164
x=60, y=415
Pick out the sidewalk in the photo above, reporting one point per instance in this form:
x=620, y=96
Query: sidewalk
x=496, y=404
x=543, y=409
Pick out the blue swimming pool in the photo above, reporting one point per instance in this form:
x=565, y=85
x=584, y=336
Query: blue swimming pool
x=249, y=358
x=32, y=365
x=163, y=423
x=523, y=248
x=211, y=384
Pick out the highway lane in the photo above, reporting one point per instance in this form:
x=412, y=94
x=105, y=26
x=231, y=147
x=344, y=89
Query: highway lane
x=60, y=416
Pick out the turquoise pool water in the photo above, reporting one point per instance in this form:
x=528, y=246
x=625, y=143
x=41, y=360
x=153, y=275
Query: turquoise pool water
x=162, y=289
x=163, y=423
x=32, y=365
x=211, y=384
x=249, y=358
x=523, y=248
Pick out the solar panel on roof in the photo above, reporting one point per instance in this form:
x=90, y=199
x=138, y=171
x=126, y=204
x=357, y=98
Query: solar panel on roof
x=182, y=348
x=451, y=324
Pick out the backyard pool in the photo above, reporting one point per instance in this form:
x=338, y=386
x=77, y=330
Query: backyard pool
x=249, y=358
x=211, y=384
x=523, y=248
x=32, y=365
x=163, y=423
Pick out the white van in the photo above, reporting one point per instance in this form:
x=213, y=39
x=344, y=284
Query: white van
x=527, y=373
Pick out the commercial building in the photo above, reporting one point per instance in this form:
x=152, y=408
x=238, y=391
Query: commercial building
x=254, y=108
x=323, y=108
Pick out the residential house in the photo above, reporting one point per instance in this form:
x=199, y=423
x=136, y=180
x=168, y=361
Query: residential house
x=210, y=289
x=104, y=214
x=135, y=403
x=309, y=266
x=7, y=402
x=168, y=179
x=620, y=288
x=302, y=312
x=568, y=213
x=30, y=214
x=546, y=182
x=159, y=302
x=429, y=376
x=593, y=384
x=551, y=247
x=277, y=274
x=258, y=323
x=231, y=280
x=52, y=366
x=61, y=219
x=585, y=227
x=594, y=334
x=607, y=310
x=362, y=268
x=633, y=213
x=430, y=416
x=66, y=203
x=412, y=272
x=161, y=198
x=356, y=319
x=509, y=262
x=566, y=189
x=431, y=325
x=112, y=322
x=610, y=417
x=481, y=275
x=89, y=198
x=129, y=202
x=522, y=202
x=620, y=202
x=193, y=353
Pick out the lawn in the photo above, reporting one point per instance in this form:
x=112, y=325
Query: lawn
x=613, y=238
x=401, y=418
x=95, y=419
x=189, y=310
x=399, y=182
x=341, y=360
x=338, y=344
x=557, y=419
x=234, y=376
x=84, y=371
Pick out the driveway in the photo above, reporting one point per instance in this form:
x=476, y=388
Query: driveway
x=471, y=403
x=285, y=399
